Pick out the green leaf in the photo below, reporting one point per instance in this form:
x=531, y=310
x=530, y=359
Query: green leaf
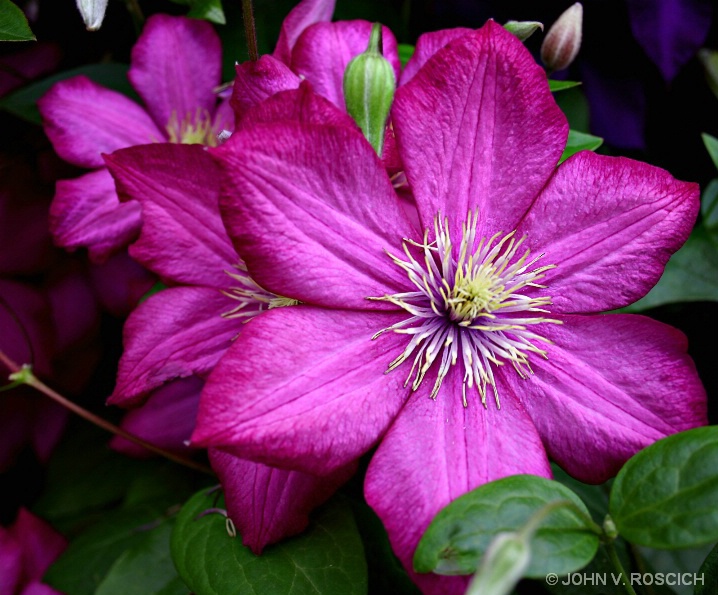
x=327, y=558
x=406, y=51
x=709, y=207
x=665, y=496
x=711, y=143
x=562, y=85
x=459, y=535
x=691, y=275
x=83, y=566
x=13, y=23
x=677, y=561
x=574, y=105
x=708, y=574
x=595, y=497
x=22, y=103
x=208, y=10
x=146, y=567
x=580, y=141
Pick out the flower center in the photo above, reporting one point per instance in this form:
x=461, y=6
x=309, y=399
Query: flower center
x=252, y=297
x=473, y=305
x=194, y=129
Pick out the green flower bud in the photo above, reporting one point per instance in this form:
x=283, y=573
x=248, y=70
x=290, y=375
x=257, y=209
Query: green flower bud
x=369, y=86
x=523, y=29
x=563, y=40
x=502, y=566
x=93, y=12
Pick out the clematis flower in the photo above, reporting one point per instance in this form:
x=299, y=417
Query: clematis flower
x=176, y=65
x=469, y=347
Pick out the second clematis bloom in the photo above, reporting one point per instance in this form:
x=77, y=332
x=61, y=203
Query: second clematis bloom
x=469, y=347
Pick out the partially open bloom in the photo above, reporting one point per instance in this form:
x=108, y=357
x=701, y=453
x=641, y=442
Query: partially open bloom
x=471, y=346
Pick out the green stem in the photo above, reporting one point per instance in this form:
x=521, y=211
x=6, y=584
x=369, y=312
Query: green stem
x=613, y=555
x=250, y=31
x=138, y=18
x=23, y=375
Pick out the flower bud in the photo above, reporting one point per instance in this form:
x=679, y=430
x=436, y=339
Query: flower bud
x=523, y=29
x=92, y=11
x=369, y=85
x=563, y=40
x=502, y=566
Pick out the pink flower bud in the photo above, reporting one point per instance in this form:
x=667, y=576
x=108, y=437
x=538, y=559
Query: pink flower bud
x=563, y=39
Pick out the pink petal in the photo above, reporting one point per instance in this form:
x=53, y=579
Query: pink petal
x=477, y=127
x=301, y=16
x=303, y=388
x=83, y=120
x=176, y=63
x=324, y=50
x=39, y=542
x=39, y=589
x=10, y=562
x=177, y=186
x=436, y=451
x=256, y=81
x=49, y=421
x=86, y=213
x=166, y=419
x=611, y=385
x=268, y=504
x=120, y=283
x=310, y=210
x=609, y=224
x=175, y=333
x=426, y=46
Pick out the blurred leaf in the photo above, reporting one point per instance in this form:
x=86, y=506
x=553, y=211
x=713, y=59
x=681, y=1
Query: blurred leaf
x=665, y=496
x=679, y=561
x=406, y=51
x=22, y=103
x=562, y=85
x=83, y=566
x=574, y=105
x=13, y=23
x=691, y=275
x=145, y=567
x=595, y=497
x=709, y=573
x=459, y=535
x=711, y=143
x=580, y=141
x=328, y=558
x=208, y=10
x=709, y=207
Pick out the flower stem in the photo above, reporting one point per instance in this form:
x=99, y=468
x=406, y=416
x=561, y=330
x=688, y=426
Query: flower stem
x=613, y=555
x=250, y=31
x=23, y=375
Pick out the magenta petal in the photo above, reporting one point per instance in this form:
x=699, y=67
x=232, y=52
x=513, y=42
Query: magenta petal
x=303, y=388
x=83, y=120
x=310, y=210
x=166, y=419
x=120, y=283
x=176, y=63
x=178, y=188
x=176, y=333
x=324, y=50
x=426, y=46
x=477, y=127
x=256, y=81
x=611, y=385
x=10, y=563
x=609, y=224
x=436, y=451
x=300, y=17
x=39, y=589
x=86, y=213
x=40, y=544
x=268, y=504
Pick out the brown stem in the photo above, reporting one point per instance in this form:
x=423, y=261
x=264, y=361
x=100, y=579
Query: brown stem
x=250, y=31
x=40, y=386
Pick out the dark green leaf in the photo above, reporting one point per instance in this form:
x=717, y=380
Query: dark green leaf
x=709, y=207
x=562, y=85
x=406, y=51
x=327, y=558
x=711, y=143
x=83, y=566
x=573, y=103
x=708, y=575
x=580, y=141
x=208, y=10
x=13, y=23
x=665, y=496
x=146, y=567
x=691, y=275
x=22, y=103
x=673, y=561
x=595, y=497
x=459, y=535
